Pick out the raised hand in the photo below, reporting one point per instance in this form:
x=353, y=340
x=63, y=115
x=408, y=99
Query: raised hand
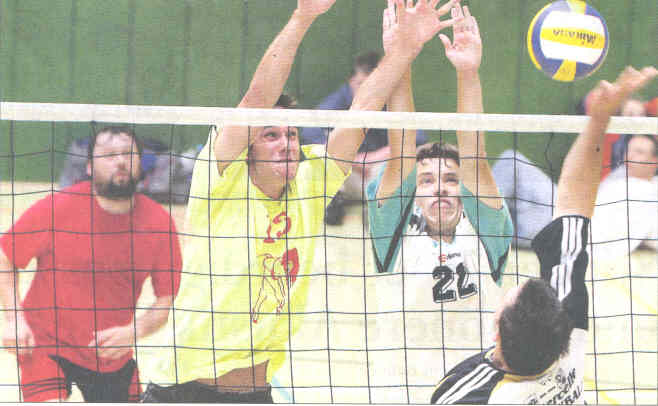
x=313, y=8
x=607, y=97
x=387, y=26
x=465, y=50
x=409, y=26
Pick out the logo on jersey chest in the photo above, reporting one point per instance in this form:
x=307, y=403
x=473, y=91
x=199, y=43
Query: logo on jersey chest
x=279, y=273
x=443, y=258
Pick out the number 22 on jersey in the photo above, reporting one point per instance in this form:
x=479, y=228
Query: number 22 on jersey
x=443, y=290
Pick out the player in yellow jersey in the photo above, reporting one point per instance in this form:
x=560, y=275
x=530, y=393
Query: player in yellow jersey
x=256, y=208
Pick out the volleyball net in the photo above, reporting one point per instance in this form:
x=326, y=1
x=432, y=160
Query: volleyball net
x=351, y=333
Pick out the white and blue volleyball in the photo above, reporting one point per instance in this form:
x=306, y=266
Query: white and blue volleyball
x=568, y=40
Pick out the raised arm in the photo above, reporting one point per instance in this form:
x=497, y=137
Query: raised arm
x=411, y=26
x=581, y=171
x=270, y=76
x=465, y=53
x=402, y=143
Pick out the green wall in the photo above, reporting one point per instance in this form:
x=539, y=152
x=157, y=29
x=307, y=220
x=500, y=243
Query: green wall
x=203, y=53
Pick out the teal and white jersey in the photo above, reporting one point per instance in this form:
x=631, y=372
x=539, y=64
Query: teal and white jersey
x=397, y=217
x=434, y=300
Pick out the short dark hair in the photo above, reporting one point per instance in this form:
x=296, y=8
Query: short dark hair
x=114, y=130
x=535, y=330
x=437, y=150
x=366, y=62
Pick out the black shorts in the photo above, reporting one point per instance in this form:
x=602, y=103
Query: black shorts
x=195, y=392
x=48, y=377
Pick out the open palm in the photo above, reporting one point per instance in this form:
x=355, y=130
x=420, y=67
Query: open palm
x=412, y=26
x=465, y=51
x=314, y=7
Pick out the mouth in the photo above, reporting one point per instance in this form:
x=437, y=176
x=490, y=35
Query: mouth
x=286, y=160
x=121, y=176
x=442, y=203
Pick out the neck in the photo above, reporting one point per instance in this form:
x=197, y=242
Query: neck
x=271, y=187
x=114, y=206
x=438, y=235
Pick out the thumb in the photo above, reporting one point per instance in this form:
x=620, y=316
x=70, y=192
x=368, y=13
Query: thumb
x=30, y=340
x=96, y=339
x=446, y=41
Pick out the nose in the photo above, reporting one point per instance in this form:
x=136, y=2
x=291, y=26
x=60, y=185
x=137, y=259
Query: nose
x=286, y=140
x=437, y=188
x=123, y=160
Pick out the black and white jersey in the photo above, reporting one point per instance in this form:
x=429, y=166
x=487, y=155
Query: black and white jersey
x=561, y=250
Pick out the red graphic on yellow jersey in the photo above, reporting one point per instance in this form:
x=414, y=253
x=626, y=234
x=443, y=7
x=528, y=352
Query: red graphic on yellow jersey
x=277, y=220
x=278, y=272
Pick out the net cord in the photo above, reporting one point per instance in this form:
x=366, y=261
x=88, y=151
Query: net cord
x=179, y=115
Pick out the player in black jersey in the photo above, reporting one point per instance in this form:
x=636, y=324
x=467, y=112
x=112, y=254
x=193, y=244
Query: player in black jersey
x=541, y=327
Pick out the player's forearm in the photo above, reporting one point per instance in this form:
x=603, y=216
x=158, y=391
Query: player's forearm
x=343, y=143
x=581, y=171
x=469, y=100
x=476, y=171
x=275, y=66
x=402, y=143
x=376, y=90
x=155, y=318
x=8, y=288
x=265, y=87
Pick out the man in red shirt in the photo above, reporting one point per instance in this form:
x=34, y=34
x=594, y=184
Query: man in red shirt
x=95, y=244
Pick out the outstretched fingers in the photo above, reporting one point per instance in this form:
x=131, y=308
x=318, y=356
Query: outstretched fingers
x=607, y=97
x=631, y=79
x=446, y=8
x=474, y=24
x=387, y=21
x=446, y=42
x=401, y=12
x=452, y=22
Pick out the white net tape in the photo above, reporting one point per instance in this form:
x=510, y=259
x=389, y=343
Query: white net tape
x=178, y=115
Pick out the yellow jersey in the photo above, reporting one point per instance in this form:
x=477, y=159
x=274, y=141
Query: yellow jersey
x=247, y=264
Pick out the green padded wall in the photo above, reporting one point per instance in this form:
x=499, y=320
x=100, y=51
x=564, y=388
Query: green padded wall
x=203, y=53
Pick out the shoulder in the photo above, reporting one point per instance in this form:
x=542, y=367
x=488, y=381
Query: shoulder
x=151, y=210
x=471, y=381
x=315, y=161
x=75, y=190
x=74, y=195
x=150, y=206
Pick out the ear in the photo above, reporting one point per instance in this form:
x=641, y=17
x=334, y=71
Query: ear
x=496, y=335
x=89, y=168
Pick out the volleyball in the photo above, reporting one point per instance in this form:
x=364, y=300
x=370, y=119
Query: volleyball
x=568, y=40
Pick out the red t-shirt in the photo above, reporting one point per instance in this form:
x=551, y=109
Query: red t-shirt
x=90, y=292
